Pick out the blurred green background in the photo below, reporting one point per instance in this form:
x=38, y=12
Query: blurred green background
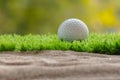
x=45, y=16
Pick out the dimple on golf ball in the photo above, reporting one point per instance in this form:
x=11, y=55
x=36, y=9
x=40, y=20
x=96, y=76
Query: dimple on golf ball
x=73, y=29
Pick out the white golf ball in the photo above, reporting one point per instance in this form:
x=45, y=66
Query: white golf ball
x=73, y=29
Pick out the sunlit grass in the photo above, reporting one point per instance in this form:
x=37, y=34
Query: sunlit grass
x=97, y=43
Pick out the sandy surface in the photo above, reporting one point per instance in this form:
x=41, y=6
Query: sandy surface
x=58, y=65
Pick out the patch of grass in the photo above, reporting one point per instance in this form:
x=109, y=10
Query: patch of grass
x=108, y=43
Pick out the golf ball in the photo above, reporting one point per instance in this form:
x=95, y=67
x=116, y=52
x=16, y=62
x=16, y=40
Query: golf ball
x=73, y=29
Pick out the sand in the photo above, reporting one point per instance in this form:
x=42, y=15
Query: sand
x=58, y=65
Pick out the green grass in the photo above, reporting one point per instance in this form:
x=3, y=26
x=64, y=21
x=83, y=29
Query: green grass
x=97, y=43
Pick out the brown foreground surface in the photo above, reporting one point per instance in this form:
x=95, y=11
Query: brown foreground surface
x=58, y=65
